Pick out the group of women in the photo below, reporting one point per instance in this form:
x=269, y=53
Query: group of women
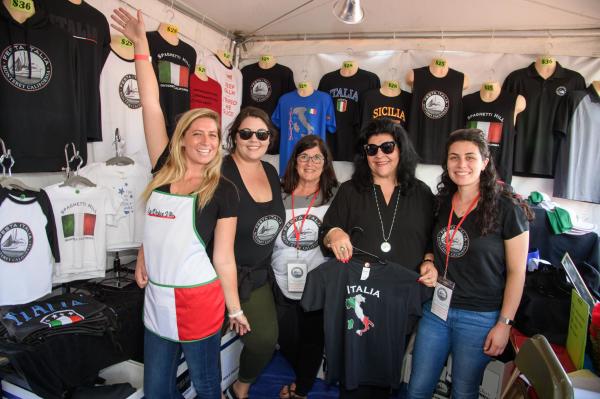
x=219, y=229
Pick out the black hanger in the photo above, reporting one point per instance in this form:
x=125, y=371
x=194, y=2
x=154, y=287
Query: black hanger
x=362, y=251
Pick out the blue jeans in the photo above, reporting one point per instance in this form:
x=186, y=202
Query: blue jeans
x=161, y=359
x=463, y=335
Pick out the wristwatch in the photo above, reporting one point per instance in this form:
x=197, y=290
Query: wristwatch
x=506, y=320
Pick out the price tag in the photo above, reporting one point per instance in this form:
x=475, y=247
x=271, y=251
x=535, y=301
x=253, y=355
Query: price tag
x=266, y=58
x=392, y=84
x=440, y=62
x=302, y=85
x=172, y=29
x=227, y=55
x=488, y=87
x=125, y=42
x=547, y=61
x=200, y=69
x=348, y=64
x=23, y=5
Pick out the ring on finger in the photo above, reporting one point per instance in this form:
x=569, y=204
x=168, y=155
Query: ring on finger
x=342, y=249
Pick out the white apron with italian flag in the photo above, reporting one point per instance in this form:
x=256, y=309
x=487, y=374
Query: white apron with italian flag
x=183, y=300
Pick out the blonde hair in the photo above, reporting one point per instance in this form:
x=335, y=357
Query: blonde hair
x=175, y=167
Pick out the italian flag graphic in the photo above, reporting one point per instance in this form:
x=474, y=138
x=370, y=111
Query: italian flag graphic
x=78, y=224
x=62, y=318
x=341, y=105
x=312, y=111
x=174, y=74
x=491, y=130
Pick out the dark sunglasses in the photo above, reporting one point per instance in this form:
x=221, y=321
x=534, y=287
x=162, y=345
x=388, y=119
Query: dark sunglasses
x=387, y=148
x=261, y=134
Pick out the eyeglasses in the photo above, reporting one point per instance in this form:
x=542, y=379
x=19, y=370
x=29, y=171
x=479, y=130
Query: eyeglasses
x=387, y=148
x=261, y=134
x=316, y=159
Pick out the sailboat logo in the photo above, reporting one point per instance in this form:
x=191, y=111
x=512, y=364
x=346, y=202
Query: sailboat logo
x=128, y=91
x=25, y=67
x=15, y=242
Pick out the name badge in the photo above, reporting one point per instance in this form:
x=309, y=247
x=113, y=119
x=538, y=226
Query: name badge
x=442, y=294
x=296, y=275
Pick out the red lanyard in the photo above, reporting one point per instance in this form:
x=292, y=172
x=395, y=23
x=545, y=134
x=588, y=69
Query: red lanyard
x=312, y=201
x=450, y=239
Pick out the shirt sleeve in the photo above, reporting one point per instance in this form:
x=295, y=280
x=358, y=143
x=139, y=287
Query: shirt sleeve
x=338, y=214
x=46, y=206
x=563, y=114
x=514, y=221
x=229, y=200
x=313, y=297
x=330, y=114
x=161, y=161
x=276, y=117
x=510, y=83
x=289, y=85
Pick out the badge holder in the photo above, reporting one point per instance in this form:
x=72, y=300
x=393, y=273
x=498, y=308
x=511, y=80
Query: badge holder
x=296, y=273
x=442, y=294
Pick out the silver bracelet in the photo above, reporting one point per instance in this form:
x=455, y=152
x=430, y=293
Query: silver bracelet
x=236, y=314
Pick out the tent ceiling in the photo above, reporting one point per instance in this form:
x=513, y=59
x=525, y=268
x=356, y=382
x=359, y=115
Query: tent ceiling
x=400, y=16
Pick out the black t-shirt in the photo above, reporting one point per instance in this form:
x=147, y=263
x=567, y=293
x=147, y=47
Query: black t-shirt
x=257, y=226
x=90, y=29
x=436, y=111
x=263, y=87
x=410, y=238
x=346, y=93
x=366, y=320
x=477, y=263
x=535, y=142
x=375, y=105
x=172, y=66
x=496, y=120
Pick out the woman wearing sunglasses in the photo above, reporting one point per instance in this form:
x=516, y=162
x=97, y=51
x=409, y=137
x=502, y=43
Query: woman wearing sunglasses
x=309, y=185
x=384, y=210
x=260, y=219
x=186, y=262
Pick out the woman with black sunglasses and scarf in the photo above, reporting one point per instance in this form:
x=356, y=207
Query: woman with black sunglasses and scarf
x=260, y=218
x=385, y=210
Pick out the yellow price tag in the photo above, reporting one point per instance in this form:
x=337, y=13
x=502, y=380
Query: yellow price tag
x=227, y=55
x=348, y=64
x=392, y=85
x=302, y=85
x=200, y=69
x=440, y=62
x=125, y=42
x=488, y=87
x=547, y=61
x=266, y=58
x=23, y=5
x=172, y=29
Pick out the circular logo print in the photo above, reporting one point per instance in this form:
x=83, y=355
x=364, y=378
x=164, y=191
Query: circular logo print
x=128, y=91
x=435, y=104
x=442, y=294
x=309, y=236
x=297, y=272
x=561, y=90
x=260, y=90
x=25, y=67
x=266, y=229
x=460, y=243
x=15, y=242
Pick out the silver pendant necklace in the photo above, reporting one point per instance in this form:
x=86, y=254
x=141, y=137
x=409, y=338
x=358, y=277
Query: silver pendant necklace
x=385, y=245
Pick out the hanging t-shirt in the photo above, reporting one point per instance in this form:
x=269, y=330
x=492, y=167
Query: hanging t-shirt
x=297, y=116
x=263, y=87
x=375, y=105
x=578, y=121
x=128, y=182
x=205, y=94
x=477, y=263
x=121, y=109
x=230, y=79
x=535, y=142
x=172, y=66
x=496, y=120
x=27, y=245
x=346, y=93
x=90, y=29
x=39, y=93
x=368, y=313
x=436, y=111
x=306, y=249
x=258, y=225
x=81, y=215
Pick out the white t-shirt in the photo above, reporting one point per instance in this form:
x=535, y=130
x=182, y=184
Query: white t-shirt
x=121, y=108
x=127, y=182
x=27, y=243
x=230, y=79
x=81, y=215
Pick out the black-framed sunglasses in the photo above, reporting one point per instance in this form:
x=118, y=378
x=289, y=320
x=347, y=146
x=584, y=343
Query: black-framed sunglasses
x=387, y=148
x=261, y=134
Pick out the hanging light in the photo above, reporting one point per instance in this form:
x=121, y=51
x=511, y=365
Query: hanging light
x=348, y=11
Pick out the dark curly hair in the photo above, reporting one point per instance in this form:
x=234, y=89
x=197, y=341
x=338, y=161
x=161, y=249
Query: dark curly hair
x=490, y=188
x=247, y=113
x=362, y=177
x=327, y=181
